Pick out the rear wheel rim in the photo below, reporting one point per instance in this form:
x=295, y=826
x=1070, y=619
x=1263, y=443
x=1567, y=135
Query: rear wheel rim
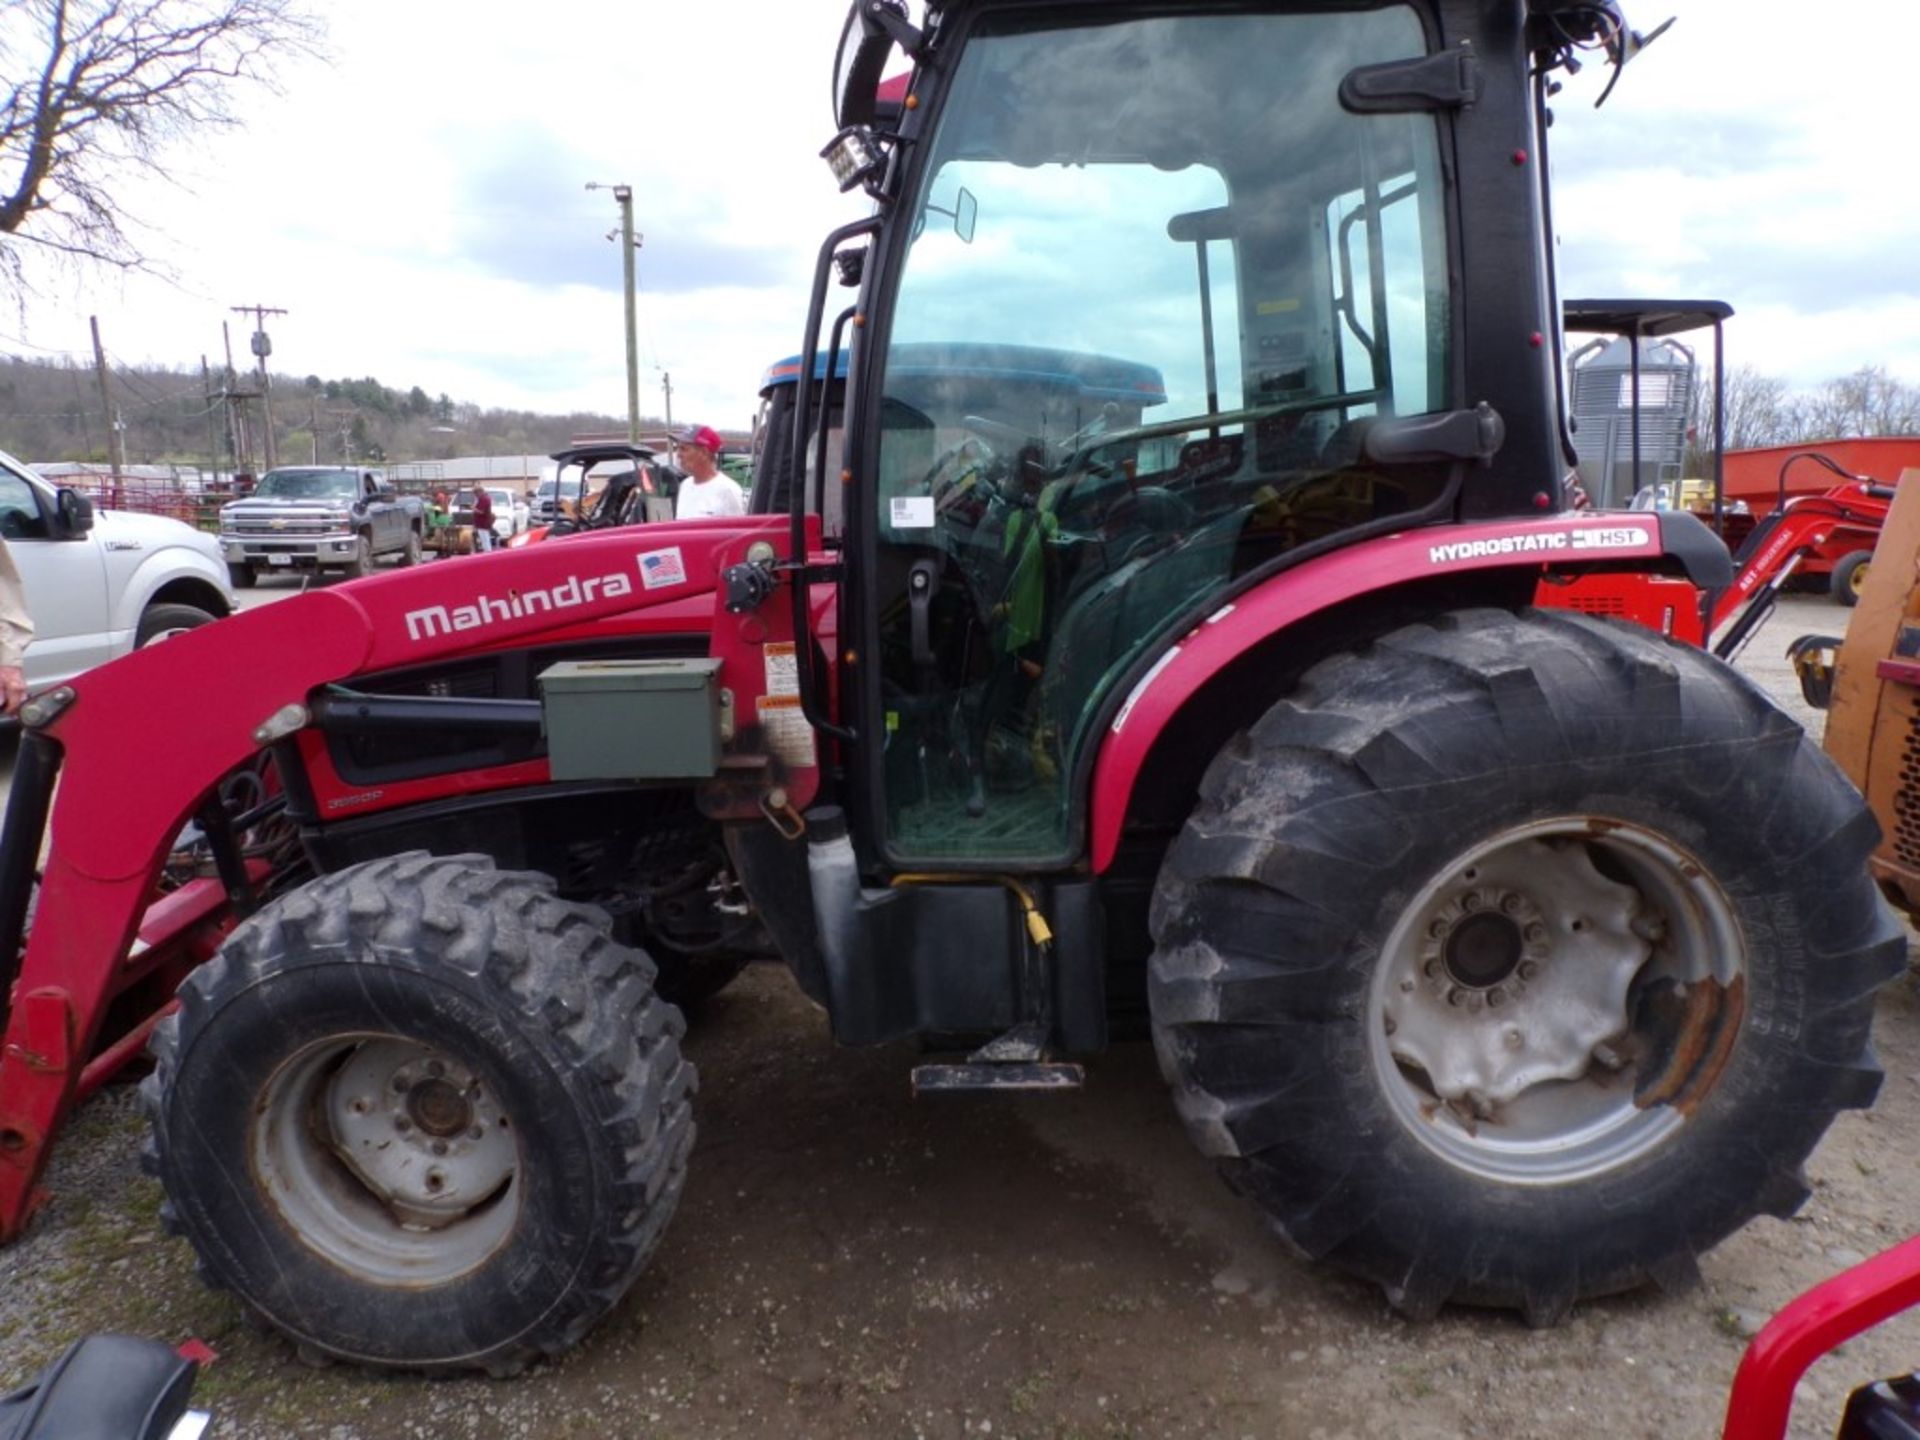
x=1551, y=1006
x=389, y=1159
x=1857, y=580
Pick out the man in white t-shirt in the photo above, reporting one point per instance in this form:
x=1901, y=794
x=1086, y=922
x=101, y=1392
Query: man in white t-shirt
x=705, y=491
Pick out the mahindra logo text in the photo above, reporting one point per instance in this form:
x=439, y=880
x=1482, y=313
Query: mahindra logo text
x=485, y=610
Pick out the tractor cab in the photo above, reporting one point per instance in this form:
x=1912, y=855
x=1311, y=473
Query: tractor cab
x=1120, y=353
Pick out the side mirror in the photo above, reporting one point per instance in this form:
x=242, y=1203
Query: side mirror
x=385, y=492
x=76, y=513
x=872, y=29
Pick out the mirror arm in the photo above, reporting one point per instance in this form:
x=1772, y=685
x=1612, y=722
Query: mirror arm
x=877, y=15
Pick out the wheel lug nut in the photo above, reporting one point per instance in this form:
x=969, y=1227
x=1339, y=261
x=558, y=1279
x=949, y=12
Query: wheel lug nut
x=1529, y=969
x=436, y=1069
x=1509, y=904
x=439, y=1147
x=477, y=1133
x=1515, y=1040
x=1471, y=901
x=400, y=1084
x=1536, y=933
x=402, y=1124
x=1406, y=988
x=1437, y=930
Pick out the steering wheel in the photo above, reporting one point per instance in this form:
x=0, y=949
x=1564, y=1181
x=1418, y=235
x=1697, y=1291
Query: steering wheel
x=973, y=464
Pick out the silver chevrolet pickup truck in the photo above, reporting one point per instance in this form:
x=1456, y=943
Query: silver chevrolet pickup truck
x=320, y=517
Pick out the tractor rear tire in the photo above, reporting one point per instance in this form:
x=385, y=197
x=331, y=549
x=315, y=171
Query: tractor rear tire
x=1849, y=574
x=421, y=1114
x=1518, y=959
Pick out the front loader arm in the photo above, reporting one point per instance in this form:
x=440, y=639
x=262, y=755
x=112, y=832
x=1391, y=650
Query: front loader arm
x=138, y=747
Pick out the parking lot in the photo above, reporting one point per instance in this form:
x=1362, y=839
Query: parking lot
x=848, y=1260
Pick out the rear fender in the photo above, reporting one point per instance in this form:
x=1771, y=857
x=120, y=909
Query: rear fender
x=1523, y=550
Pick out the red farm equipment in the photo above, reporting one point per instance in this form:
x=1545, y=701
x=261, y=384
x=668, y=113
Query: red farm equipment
x=1200, y=696
x=1762, y=481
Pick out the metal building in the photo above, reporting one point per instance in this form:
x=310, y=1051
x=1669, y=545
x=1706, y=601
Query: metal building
x=1604, y=416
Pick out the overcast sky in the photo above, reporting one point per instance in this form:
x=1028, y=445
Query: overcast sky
x=417, y=205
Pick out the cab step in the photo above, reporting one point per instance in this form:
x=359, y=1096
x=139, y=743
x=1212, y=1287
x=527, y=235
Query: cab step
x=997, y=1075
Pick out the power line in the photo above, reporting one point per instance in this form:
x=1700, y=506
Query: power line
x=42, y=349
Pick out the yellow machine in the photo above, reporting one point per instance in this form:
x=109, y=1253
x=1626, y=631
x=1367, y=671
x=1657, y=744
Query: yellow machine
x=1871, y=688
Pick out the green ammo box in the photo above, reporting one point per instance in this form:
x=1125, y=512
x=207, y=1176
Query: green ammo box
x=632, y=719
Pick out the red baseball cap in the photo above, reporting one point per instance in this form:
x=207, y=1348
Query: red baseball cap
x=705, y=436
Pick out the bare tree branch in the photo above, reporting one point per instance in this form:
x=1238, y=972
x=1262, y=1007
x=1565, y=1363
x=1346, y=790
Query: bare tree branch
x=92, y=91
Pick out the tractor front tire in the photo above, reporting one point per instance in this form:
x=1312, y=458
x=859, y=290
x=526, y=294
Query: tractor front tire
x=1518, y=959
x=420, y=1114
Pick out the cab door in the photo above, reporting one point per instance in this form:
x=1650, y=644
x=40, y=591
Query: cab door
x=66, y=585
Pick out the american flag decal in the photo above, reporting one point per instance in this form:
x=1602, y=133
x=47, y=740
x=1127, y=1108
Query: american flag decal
x=662, y=567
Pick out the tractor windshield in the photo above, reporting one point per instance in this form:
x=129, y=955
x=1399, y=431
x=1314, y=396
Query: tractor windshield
x=1192, y=279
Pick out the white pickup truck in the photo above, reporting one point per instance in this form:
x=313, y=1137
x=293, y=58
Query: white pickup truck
x=320, y=517
x=101, y=584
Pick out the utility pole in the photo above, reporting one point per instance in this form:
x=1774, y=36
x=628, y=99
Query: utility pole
x=666, y=389
x=106, y=404
x=239, y=432
x=313, y=429
x=629, y=242
x=345, y=417
x=262, y=348
x=213, y=437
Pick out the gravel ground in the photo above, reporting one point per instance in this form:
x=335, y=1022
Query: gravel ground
x=847, y=1260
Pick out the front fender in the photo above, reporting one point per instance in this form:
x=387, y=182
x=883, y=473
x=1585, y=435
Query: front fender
x=132, y=590
x=1377, y=567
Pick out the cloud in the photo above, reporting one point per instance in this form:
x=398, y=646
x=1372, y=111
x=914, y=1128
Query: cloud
x=417, y=204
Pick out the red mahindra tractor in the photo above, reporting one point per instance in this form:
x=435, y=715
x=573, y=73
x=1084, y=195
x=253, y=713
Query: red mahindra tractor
x=1501, y=956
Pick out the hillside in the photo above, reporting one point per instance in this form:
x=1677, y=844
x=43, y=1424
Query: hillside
x=51, y=411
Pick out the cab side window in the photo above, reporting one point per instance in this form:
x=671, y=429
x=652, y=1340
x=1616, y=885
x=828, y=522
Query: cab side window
x=20, y=514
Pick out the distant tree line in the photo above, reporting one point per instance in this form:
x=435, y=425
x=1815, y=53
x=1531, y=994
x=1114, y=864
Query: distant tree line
x=1765, y=410
x=50, y=410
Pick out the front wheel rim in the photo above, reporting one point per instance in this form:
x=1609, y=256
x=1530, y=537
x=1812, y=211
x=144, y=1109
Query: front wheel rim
x=389, y=1159
x=1556, y=1001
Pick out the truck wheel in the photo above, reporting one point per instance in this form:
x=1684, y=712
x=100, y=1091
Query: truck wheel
x=163, y=622
x=411, y=555
x=421, y=1114
x=1518, y=959
x=1849, y=576
x=362, y=563
x=244, y=577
